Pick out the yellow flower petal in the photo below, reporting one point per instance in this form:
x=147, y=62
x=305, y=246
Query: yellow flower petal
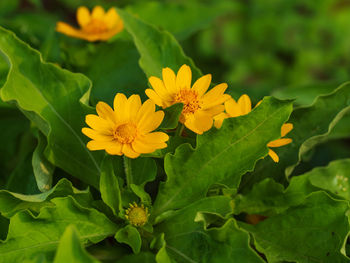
x=92, y=134
x=145, y=111
x=169, y=79
x=286, y=128
x=115, y=148
x=140, y=146
x=129, y=152
x=158, y=86
x=105, y=111
x=245, y=104
x=218, y=119
x=200, y=122
x=83, y=16
x=94, y=145
x=151, y=123
x=232, y=108
x=133, y=106
x=68, y=30
x=99, y=124
x=213, y=111
x=202, y=84
x=279, y=142
x=154, y=97
x=97, y=13
x=215, y=96
x=120, y=107
x=155, y=137
x=184, y=77
x=274, y=156
x=111, y=18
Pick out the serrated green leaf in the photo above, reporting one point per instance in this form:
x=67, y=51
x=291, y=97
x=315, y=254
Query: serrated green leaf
x=221, y=156
x=333, y=178
x=129, y=235
x=268, y=197
x=11, y=203
x=51, y=98
x=312, y=126
x=188, y=241
x=314, y=231
x=109, y=186
x=31, y=235
x=70, y=248
x=158, y=49
x=42, y=168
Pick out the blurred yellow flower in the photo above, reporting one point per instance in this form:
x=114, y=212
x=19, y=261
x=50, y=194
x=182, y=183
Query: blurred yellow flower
x=95, y=26
x=126, y=130
x=200, y=106
x=242, y=107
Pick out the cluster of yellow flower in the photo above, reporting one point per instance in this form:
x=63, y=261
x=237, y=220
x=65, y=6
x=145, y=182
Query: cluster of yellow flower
x=129, y=128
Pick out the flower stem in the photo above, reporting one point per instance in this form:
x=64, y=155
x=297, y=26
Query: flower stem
x=128, y=171
x=179, y=129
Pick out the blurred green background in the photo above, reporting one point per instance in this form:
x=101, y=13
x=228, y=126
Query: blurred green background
x=290, y=49
x=258, y=47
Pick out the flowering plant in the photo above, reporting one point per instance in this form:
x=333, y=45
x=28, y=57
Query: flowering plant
x=158, y=163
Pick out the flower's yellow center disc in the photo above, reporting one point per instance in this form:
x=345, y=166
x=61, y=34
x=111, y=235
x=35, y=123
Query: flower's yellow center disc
x=137, y=216
x=95, y=26
x=190, y=100
x=125, y=133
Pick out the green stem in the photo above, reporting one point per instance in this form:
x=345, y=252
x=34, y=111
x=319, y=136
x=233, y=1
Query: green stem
x=179, y=130
x=128, y=171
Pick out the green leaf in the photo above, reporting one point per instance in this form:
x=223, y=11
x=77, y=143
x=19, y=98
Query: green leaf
x=188, y=241
x=52, y=98
x=333, y=178
x=70, y=248
x=158, y=49
x=31, y=235
x=162, y=254
x=42, y=168
x=312, y=126
x=13, y=128
x=11, y=203
x=138, y=171
x=109, y=186
x=113, y=68
x=313, y=231
x=129, y=235
x=144, y=257
x=221, y=156
x=171, y=117
x=266, y=197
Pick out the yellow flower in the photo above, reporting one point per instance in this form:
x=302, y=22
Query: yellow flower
x=242, y=107
x=137, y=215
x=126, y=130
x=199, y=107
x=95, y=26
